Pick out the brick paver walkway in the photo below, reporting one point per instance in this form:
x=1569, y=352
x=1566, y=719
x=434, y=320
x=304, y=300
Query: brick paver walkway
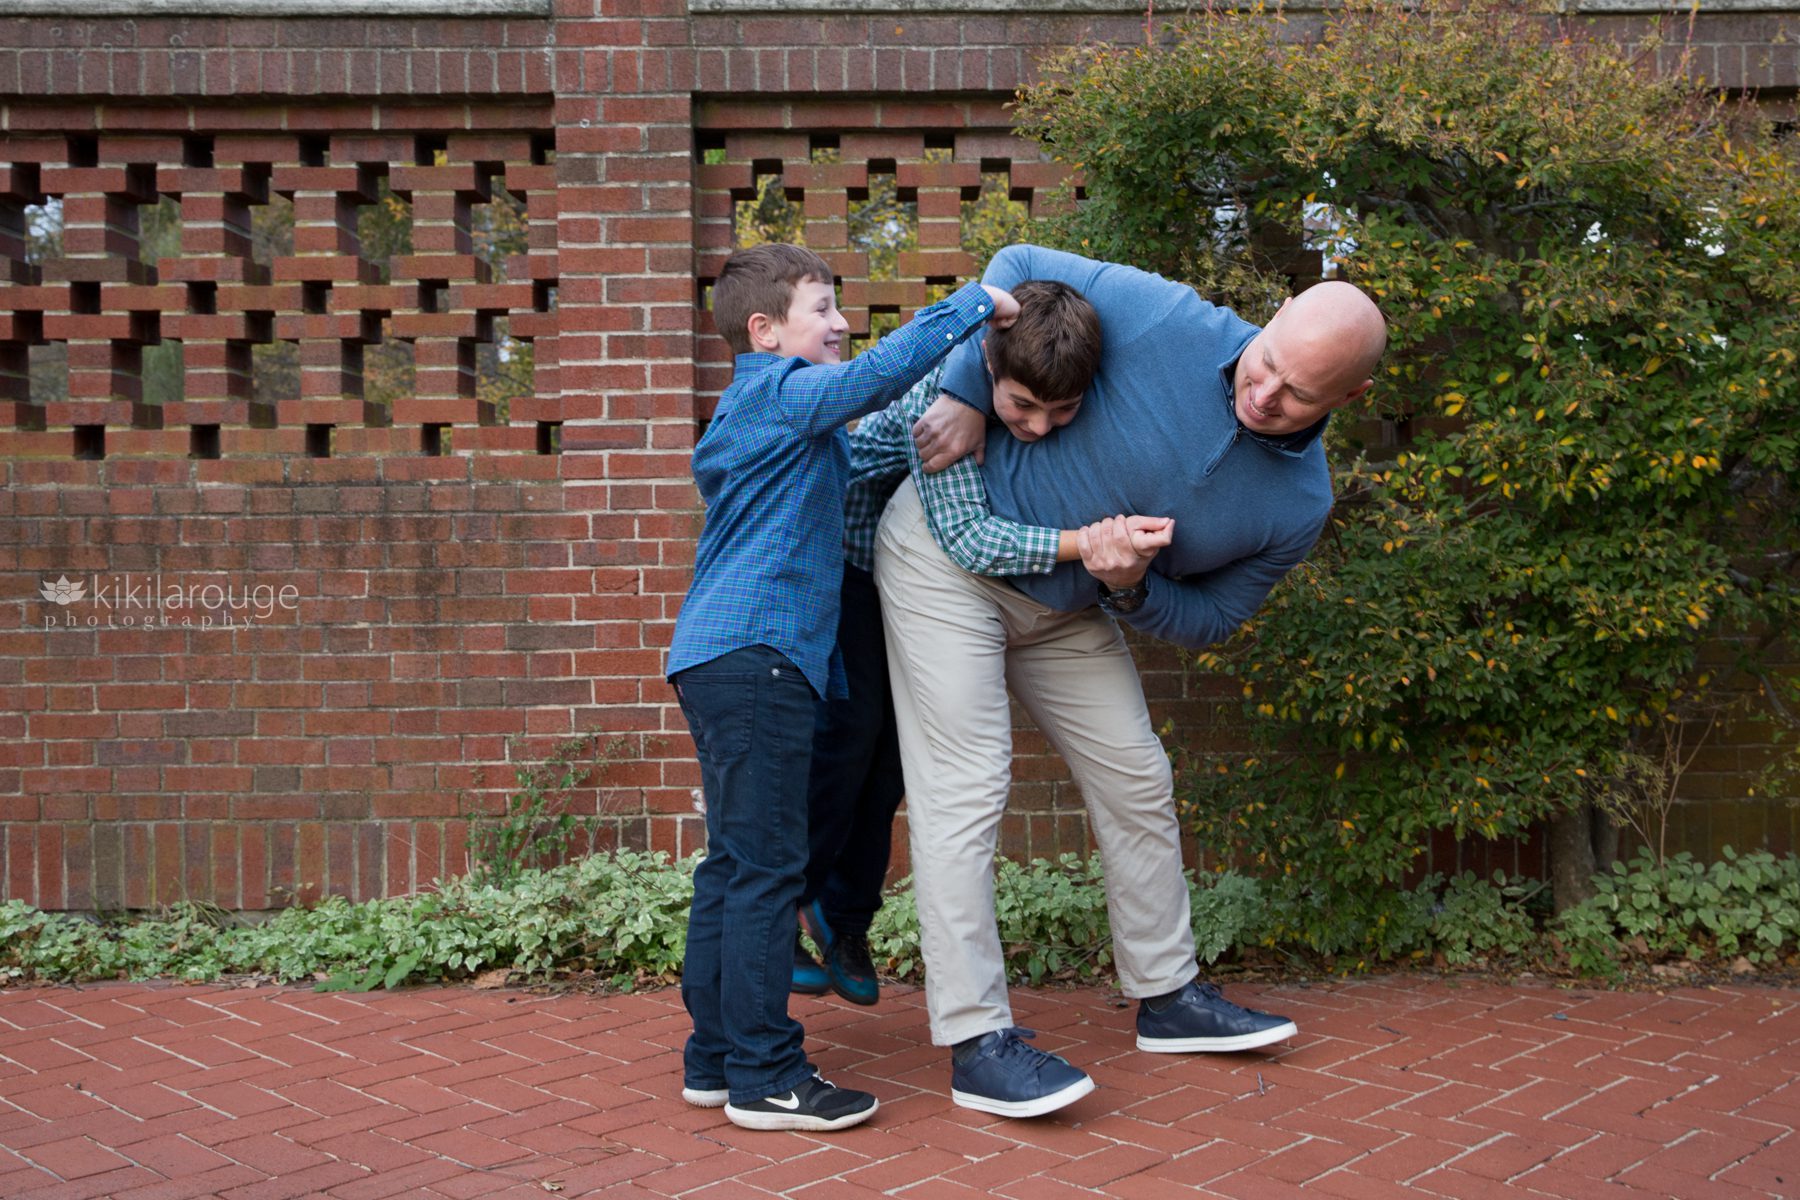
x=1395, y=1086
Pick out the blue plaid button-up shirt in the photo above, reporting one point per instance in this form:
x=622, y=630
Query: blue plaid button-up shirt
x=955, y=499
x=772, y=469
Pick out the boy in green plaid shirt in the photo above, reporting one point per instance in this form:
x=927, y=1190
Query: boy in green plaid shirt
x=1041, y=365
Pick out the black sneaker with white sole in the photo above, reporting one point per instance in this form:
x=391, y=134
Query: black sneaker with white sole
x=814, y=1105
x=1199, y=1019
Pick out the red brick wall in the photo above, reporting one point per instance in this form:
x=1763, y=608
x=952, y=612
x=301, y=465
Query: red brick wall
x=442, y=605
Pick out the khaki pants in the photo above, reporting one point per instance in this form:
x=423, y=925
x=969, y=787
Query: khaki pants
x=956, y=642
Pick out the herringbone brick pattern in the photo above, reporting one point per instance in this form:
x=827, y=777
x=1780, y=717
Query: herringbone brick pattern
x=1395, y=1086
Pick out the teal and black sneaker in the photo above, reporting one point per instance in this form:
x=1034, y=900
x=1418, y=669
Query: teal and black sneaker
x=809, y=977
x=849, y=969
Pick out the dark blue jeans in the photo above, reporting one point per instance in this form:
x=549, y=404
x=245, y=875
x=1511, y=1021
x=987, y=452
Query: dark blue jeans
x=856, y=782
x=751, y=713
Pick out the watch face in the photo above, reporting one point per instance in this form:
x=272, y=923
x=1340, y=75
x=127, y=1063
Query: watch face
x=1125, y=600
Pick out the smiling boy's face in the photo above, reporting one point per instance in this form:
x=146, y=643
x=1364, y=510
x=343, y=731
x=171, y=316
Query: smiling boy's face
x=813, y=329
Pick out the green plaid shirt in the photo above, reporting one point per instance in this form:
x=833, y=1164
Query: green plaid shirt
x=955, y=499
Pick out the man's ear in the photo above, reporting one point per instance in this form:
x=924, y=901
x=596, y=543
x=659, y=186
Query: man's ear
x=1355, y=393
x=762, y=332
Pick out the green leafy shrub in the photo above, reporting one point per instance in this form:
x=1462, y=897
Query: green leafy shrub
x=623, y=916
x=1228, y=910
x=1744, y=904
x=1475, y=920
x=1051, y=915
x=622, y=913
x=1592, y=419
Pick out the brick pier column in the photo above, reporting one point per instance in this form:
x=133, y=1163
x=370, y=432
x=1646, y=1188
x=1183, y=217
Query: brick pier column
x=626, y=328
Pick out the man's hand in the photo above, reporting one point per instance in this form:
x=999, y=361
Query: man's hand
x=1117, y=550
x=949, y=430
x=1006, y=309
x=1149, y=535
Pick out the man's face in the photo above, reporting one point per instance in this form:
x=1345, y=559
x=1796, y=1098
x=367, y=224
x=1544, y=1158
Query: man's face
x=1286, y=381
x=813, y=328
x=1027, y=417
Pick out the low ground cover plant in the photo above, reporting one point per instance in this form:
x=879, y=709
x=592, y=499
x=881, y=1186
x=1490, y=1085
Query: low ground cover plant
x=620, y=918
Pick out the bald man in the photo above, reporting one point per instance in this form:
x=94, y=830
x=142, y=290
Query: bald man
x=1194, y=415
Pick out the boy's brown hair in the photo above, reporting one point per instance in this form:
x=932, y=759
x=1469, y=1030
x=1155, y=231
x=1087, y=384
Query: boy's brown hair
x=761, y=279
x=1054, y=346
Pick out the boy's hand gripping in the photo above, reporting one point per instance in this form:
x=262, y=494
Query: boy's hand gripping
x=1117, y=550
x=1006, y=309
x=947, y=431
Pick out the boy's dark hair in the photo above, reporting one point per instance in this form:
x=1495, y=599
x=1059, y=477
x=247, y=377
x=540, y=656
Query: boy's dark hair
x=761, y=279
x=1054, y=346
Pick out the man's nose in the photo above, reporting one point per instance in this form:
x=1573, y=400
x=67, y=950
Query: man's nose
x=1039, y=423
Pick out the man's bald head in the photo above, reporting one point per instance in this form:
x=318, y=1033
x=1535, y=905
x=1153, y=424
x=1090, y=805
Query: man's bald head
x=1317, y=353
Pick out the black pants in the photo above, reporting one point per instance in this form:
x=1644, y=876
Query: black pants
x=855, y=783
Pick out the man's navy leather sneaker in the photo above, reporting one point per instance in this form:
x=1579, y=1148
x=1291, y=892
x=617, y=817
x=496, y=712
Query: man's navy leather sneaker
x=1199, y=1018
x=998, y=1073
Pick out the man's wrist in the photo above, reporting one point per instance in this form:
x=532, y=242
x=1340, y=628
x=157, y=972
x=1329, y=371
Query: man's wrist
x=1124, y=600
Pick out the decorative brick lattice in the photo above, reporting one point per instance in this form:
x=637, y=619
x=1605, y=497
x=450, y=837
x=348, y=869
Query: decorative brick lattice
x=324, y=294
x=885, y=193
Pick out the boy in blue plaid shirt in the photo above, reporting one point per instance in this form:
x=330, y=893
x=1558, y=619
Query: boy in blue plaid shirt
x=754, y=652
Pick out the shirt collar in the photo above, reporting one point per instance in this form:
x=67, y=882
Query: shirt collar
x=757, y=360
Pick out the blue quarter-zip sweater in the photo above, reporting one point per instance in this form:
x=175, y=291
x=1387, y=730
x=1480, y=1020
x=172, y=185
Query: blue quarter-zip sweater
x=1158, y=435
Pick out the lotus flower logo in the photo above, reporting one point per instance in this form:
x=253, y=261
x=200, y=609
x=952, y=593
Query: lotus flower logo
x=63, y=592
